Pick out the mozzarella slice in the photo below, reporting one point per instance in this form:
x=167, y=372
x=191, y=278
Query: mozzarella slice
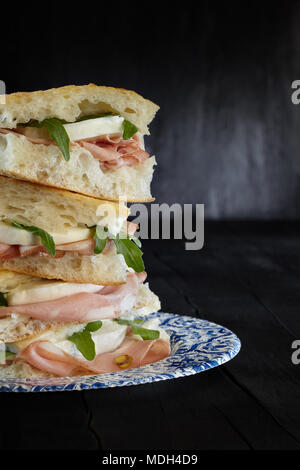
x=42, y=290
x=71, y=235
x=94, y=127
x=109, y=337
x=15, y=236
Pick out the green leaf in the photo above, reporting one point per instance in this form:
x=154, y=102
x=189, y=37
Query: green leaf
x=56, y=131
x=84, y=344
x=9, y=355
x=46, y=239
x=59, y=134
x=84, y=341
x=129, y=129
x=34, y=123
x=145, y=333
x=132, y=254
x=3, y=301
x=121, y=321
x=100, y=237
x=137, y=241
x=94, y=116
x=94, y=325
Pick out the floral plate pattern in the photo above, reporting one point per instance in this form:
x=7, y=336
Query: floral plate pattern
x=196, y=345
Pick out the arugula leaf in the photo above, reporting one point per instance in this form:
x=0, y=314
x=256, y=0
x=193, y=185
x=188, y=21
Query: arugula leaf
x=136, y=240
x=56, y=131
x=122, y=321
x=84, y=341
x=35, y=123
x=100, y=237
x=94, y=116
x=131, y=253
x=59, y=134
x=145, y=333
x=129, y=129
x=126, y=245
x=94, y=325
x=3, y=301
x=9, y=354
x=46, y=239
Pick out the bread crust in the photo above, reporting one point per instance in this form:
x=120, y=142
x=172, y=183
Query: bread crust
x=72, y=101
x=36, y=328
x=104, y=269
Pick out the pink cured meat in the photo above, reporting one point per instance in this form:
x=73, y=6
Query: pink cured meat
x=111, y=151
x=48, y=357
x=8, y=251
x=109, y=302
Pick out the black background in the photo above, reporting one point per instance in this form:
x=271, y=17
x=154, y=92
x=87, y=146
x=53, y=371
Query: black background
x=227, y=136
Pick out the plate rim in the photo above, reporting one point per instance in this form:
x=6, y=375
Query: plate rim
x=77, y=383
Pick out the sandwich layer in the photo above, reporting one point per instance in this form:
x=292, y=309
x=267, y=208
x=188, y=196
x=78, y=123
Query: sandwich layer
x=116, y=348
x=83, y=174
x=35, y=305
x=72, y=102
x=48, y=348
x=70, y=219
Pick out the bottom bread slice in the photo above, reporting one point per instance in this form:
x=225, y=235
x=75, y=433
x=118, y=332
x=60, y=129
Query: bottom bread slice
x=52, y=354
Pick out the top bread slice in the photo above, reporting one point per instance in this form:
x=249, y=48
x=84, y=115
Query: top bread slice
x=54, y=210
x=44, y=164
x=72, y=102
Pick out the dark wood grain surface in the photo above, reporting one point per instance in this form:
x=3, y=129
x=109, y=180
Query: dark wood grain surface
x=246, y=278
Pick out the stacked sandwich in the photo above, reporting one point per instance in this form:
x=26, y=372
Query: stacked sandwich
x=73, y=295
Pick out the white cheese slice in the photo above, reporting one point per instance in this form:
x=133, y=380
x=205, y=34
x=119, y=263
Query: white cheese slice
x=109, y=337
x=42, y=290
x=71, y=235
x=94, y=127
x=16, y=236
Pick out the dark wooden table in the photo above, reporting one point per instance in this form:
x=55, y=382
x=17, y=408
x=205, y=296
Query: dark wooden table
x=247, y=278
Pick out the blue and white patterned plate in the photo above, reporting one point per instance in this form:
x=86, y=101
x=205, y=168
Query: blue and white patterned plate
x=196, y=345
